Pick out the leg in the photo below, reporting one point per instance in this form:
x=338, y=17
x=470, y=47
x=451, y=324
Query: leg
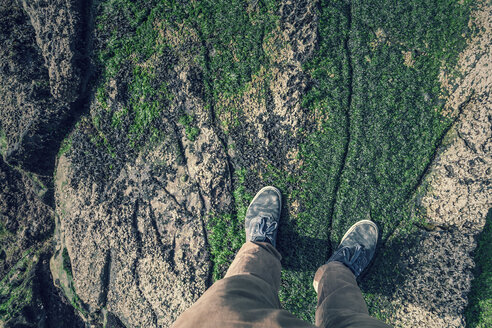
x=340, y=301
x=246, y=297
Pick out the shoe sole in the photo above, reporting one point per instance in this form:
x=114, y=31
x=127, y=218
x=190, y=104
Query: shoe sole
x=267, y=188
x=352, y=228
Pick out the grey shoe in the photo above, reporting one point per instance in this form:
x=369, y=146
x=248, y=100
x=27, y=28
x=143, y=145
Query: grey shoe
x=262, y=216
x=357, y=247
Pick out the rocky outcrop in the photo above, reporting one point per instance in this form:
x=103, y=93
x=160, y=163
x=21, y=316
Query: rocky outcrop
x=152, y=162
x=38, y=99
x=26, y=220
x=32, y=124
x=61, y=31
x=153, y=204
x=437, y=266
x=27, y=293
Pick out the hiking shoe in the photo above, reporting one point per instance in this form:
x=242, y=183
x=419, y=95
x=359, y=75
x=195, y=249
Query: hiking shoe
x=262, y=216
x=357, y=247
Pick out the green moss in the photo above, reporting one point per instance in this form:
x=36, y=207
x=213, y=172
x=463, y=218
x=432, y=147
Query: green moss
x=237, y=48
x=3, y=142
x=16, y=288
x=227, y=230
x=479, y=311
x=191, y=131
x=395, y=120
x=380, y=126
x=65, y=146
x=134, y=53
x=67, y=264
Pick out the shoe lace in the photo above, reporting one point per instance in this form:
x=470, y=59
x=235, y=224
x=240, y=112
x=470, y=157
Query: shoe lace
x=264, y=228
x=354, y=258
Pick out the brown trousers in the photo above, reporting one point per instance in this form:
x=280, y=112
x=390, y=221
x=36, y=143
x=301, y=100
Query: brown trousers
x=248, y=296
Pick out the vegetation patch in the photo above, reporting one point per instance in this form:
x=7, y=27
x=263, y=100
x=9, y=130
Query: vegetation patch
x=65, y=146
x=191, y=130
x=67, y=265
x=379, y=124
x=3, y=142
x=227, y=229
x=16, y=288
x=135, y=48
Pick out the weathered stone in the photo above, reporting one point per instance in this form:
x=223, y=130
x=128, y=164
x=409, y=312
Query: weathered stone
x=142, y=225
x=60, y=34
x=438, y=269
x=32, y=121
x=26, y=225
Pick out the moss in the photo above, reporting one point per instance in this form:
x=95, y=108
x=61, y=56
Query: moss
x=3, y=142
x=67, y=264
x=479, y=311
x=395, y=121
x=134, y=53
x=227, y=230
x=238, y=48
x=379, y=127
x=16, y=288
x=65, y=146
x=190, y=130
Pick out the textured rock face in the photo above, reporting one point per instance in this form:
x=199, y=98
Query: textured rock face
x=438, y=268
x=141, y=225
x=32, y=123
x=60, y=34
x=32, y=120
x=26, y=219
x=155, y=159
x=27, y=293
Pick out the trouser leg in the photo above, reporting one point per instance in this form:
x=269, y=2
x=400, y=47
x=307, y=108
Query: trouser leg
x=246, y=297
x=340, y=301
x=261, y=260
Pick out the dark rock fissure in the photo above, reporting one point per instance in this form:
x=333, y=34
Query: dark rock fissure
x=171, y=196
x=348, y=11
x=153, y=222
x=139, y=241
x=105, y=278
x=210, y=102
x=180, y=151
x=432, y=160
x=209, y=280
x=137, y=234
x=212, y=118
x=170, y=256
x=59, y=311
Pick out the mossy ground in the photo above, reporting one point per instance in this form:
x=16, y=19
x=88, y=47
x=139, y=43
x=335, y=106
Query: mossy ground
x=374, y=88
x=16, y=287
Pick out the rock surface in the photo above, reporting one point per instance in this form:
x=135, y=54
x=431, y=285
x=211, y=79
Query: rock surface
x=154, y=206
x=38, y=100
x=32, y=123
x=27, y=293
x=119, y=229
x=61, y=36
x=456, y=199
